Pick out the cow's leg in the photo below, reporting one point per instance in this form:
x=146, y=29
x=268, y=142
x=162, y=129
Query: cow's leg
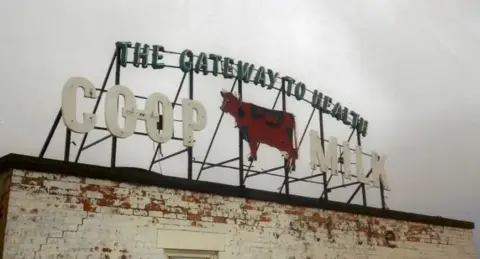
x=292, y=163
x=289, y=163
x=253, y=151
x=291, y=159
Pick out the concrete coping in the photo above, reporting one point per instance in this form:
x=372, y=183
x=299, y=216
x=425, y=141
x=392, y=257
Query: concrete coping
x=147, y=178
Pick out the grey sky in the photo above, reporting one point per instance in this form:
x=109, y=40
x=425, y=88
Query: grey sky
x=407, y=66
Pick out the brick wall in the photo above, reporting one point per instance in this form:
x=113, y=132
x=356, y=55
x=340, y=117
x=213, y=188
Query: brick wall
x=55, y=216
x=5, y=182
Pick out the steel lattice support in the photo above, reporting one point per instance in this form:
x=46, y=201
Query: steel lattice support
x=244, y=171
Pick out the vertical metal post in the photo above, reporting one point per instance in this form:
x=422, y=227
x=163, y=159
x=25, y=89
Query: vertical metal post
x=190, y=149
x=214, y=135
x=117, y=82
x=97, y=102
x=364, y=194
x=382, y=195
x=50, y=134
x=322, y=138
x=161, y=118
x=285, y=162
x=68, y=137
x=240, y=143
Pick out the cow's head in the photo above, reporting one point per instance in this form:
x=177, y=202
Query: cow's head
x=230, y=103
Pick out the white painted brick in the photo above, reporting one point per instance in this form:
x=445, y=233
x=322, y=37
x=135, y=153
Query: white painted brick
x=253, y=230
x=65, y=178
x=18, y=172
x=94, y=194
x=99, y=182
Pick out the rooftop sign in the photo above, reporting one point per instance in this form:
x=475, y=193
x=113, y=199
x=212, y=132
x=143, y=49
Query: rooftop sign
x=257, y=125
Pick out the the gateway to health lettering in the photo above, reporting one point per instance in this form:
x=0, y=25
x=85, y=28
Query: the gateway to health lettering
x=145, y=56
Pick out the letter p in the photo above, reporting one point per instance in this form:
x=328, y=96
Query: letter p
x=189, y=125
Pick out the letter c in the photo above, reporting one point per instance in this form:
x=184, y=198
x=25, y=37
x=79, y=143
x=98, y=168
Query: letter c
x=69, y=104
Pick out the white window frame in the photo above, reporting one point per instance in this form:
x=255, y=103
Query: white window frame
x=174, y=253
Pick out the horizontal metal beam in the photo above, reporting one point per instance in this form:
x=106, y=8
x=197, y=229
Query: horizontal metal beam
x=306, y=178
x=135, y=133
x=137, y=96
x=283, y=176
x=221, y=163
x=265, y=171
x=96, y=142
x=169, y=156
x=343, y=185
x=223, y=166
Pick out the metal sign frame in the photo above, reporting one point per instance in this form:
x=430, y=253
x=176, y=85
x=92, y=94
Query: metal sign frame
x=244, y=170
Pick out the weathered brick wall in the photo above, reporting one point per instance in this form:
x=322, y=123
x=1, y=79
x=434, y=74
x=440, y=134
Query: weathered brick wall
x=54, y=216
x=5, y=182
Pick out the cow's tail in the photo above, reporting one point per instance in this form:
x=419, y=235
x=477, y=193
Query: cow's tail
x=295, y=137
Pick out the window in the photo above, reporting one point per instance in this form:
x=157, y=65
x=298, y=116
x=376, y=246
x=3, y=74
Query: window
x=190, y=254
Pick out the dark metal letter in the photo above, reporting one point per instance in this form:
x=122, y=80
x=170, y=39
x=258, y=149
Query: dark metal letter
x=157, y=56
x=141, y=55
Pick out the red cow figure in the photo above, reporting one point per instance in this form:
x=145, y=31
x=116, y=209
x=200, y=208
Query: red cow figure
x=261, y=125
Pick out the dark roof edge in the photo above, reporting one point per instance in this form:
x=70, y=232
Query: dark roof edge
x=144, y=177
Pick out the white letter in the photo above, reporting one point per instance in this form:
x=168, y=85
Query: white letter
x=315, y=147
x=327, y=160
x=347, y=166
x=128, y=112
x=359, y=163
x=378, y=171
x=188, y=106
x=69, y=104
x=152, y=117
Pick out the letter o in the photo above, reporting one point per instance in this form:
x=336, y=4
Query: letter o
x=128, y=112
x=151, y=118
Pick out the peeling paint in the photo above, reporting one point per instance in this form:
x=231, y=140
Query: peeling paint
x=265, y=223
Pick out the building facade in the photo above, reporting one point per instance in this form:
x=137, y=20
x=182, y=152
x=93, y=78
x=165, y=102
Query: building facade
x=53, y=209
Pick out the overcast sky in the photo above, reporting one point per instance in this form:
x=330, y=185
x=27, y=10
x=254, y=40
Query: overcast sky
x=406, y=66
